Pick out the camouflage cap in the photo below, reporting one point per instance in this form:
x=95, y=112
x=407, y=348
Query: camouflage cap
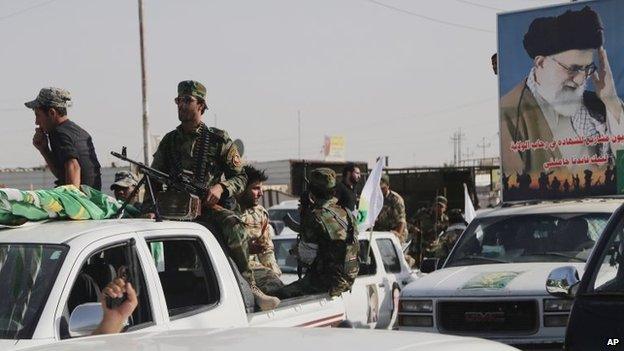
x=51, y=97
x=192, y=88
x=385, y=178
x=323, y=178
x=124, y=179
x=441, y=200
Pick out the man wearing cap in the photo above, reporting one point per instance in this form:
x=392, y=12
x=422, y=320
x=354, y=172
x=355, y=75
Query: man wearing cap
x=552, y=103
x=444, y=243
x=392, y=216
x=124, y=185
x=213, y=160
x=329, y=242
x=430, y=223
x=66, y=148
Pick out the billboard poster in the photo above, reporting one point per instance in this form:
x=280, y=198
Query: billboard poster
x=334, y=148
x=561, y=83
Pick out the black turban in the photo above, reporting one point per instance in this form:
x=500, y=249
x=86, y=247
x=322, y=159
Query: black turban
x=572, y=30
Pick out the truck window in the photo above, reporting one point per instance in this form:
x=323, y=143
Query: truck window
x=285, y=260
x=186, y=274
x=100, y=269
x=554, y=237
x=609, y=277
x=389, y=256
x=27, y=273
x=367, y=267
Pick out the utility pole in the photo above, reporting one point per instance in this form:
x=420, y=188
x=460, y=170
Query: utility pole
x=299, y=133
x=454, y=140
x=484, y=145
x=146, y=137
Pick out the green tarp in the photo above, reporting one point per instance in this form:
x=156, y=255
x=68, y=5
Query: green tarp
x=64, y=202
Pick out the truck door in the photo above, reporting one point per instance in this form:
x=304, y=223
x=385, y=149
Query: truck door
x=97, y=266
x=362, y=303
x=389, y=291
x=597, y=317
x=193, y=289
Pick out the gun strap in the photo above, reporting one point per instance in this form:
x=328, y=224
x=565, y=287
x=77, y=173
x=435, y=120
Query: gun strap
x=347, y=225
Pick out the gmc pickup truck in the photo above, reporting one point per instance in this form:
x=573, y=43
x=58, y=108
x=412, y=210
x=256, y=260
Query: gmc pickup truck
x=51, y=275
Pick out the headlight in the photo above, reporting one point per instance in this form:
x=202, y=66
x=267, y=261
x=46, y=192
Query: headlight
x=556, y=320
x=418, y=306
x=416, y=321
x=557, y=305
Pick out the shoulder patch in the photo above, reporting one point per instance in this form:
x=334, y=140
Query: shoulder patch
x=234, y=157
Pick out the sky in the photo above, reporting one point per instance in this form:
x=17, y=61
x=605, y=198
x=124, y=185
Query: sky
x=394, y=77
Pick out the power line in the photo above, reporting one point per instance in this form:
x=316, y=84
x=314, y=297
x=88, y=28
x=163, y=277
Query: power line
x=19, y=12
x=452, y=24
x=480, y=5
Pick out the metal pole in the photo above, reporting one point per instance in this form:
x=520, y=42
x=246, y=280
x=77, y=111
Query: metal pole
x=147, y=152
x=299, y=133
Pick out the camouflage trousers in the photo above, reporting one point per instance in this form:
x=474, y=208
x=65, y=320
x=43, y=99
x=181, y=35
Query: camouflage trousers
x=231, y=233
x=267, y=280
x=303, y=286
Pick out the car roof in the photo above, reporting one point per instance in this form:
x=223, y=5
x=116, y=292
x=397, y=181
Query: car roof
x=362, y=236
x=549, y=207
x=63, y=231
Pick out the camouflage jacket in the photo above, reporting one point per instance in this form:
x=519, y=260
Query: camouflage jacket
x=442, y=246
x=333, y=229
x=430, y=228
x=392, y=215
x=259, y=232
x=224, y=164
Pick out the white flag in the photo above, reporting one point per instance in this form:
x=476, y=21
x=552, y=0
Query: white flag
x=371, y=199
x=469, y=211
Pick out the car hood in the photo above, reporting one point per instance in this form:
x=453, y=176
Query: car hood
x=278, y=339
x=509, y=279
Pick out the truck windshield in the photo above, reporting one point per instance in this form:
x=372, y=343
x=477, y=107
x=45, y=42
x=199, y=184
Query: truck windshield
x=285, y=260
x=529, y=238
x=27, y=272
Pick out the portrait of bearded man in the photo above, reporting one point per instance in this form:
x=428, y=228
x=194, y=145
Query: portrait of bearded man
x=553, y=102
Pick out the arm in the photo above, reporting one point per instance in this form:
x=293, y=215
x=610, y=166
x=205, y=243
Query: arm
x=267, y=256
x=40, y=141
x=235, y=178
x=114, y=319
x=72, y=172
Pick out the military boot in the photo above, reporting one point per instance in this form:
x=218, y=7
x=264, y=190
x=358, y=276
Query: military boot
x=265, y=302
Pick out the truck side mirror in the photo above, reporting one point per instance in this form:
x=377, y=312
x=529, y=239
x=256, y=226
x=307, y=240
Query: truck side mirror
x=563, y=282
x=85, y=319
x=429, y=265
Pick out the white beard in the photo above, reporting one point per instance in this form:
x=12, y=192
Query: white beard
x=563, y=100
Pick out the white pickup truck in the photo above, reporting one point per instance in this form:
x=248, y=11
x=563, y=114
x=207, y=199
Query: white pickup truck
x=492, y=285
x=277, y=339
x=374, y=296
x=50, y=270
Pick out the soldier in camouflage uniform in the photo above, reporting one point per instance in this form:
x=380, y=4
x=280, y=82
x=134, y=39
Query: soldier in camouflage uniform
x=429, y=224
x=262, y=261
x=392, y=216
x=445, y=242
x=328, y=244
x=213, y=159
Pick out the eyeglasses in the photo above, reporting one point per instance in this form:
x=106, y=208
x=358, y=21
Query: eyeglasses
x=574, y=70
x=184, y=99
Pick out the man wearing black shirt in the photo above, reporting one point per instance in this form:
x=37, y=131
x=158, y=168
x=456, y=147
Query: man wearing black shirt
x=67, y=149
x=345, y=190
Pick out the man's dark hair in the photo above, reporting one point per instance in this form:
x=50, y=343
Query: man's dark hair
x=254, y=175
x=62, y=111
x=349, y=167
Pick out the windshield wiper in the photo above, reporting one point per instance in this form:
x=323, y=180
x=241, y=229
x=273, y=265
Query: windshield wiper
x=557, y=254
x=476, y=257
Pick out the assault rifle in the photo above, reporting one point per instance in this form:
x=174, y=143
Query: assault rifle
x=181, y=182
